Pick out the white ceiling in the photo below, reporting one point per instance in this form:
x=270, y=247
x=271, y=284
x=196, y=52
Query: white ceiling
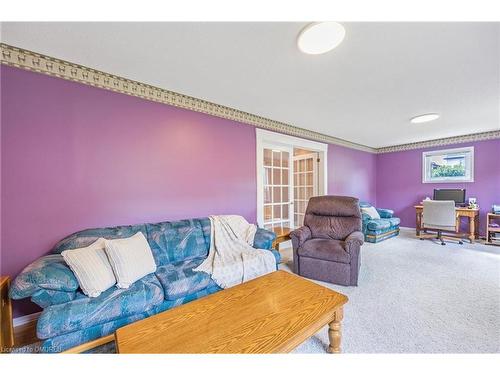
x=365, y=91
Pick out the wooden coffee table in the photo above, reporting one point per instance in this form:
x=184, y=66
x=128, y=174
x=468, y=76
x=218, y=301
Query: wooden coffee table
x=270, y=314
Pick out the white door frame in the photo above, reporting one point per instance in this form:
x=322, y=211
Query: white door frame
x=266, y=137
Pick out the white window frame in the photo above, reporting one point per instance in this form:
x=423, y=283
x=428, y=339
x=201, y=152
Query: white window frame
x=266, y=138
x=426, y=179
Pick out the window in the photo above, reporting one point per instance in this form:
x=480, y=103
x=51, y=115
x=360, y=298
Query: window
x=453, y=165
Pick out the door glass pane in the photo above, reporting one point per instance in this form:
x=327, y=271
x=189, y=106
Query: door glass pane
x=284, y=176
x=276, y=159
x=267, y=157
x=284, y=194
x=284, y=159
x=277, y=212
x=309, y=179
x=285, y=211
x=268, y=213
x=276, y=176
x=267, y=194
x=277, y=194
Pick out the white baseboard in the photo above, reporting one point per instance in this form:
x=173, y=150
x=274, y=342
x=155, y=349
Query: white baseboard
x=21, y=320
x=407, y=228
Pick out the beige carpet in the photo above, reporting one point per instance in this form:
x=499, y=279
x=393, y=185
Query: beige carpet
x=419, y=297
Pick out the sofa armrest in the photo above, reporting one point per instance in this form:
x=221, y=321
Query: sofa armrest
x=365, y=217
x=299, y=236
x=385, y=213
x=46, y=273
x=263, y=239
x=354, y=241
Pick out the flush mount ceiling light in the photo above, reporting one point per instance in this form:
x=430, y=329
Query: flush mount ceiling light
x=424, y=118
x=320, y=37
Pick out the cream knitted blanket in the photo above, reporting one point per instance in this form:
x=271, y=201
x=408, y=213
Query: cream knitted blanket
x=231, y=259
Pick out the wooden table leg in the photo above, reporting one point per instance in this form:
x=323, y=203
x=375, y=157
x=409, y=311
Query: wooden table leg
x=472, y=229
x=334, y=333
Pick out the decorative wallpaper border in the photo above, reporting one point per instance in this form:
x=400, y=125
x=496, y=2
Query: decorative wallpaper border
x=36, y=62
x=494, y=134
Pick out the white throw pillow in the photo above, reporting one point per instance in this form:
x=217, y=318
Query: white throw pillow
x=371, y=211
x=131, y=259
x=91, y=267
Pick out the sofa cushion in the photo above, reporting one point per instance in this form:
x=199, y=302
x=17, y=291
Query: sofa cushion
x=319, y=248
x=371, y=211
x=86, y=237
x=114, y=303
x=379, y=224
x=394, y=221
x=179, y=240
x=131, y=259
x=382, y=224
x=91, y=267
x=178, y=279
x=48, y=272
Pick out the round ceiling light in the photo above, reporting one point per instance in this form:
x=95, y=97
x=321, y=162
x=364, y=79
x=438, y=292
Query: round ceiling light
x=320, y=37
x=424, y=118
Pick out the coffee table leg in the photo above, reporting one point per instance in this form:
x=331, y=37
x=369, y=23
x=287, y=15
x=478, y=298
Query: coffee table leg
x=334, y=333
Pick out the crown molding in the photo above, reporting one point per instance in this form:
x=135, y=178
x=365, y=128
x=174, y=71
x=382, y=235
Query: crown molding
x=28, y=60
x=442, y=142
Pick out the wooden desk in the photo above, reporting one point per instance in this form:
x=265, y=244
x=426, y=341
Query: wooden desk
x=7, y=332
x=471, y=213
x=273, y=313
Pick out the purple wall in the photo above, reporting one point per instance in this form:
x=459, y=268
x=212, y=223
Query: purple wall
x=76, y=157
x=352, y=172
x=400, y=187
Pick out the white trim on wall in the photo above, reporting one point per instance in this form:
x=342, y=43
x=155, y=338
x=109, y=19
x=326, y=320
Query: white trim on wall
x=264, y=137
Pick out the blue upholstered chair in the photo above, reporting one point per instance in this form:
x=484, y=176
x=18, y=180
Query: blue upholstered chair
x=378, y=229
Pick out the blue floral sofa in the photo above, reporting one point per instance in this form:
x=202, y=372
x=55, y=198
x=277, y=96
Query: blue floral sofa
x=70, y=318
x=376, y=230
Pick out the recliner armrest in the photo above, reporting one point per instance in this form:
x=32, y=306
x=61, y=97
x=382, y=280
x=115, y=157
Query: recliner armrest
x=299, y=236
x=354, y=240
x=385, y=213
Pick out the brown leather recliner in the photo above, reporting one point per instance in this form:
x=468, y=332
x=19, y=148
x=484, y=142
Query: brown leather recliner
x=327, y=247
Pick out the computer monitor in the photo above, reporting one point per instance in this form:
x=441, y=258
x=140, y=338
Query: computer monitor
x=457, y=195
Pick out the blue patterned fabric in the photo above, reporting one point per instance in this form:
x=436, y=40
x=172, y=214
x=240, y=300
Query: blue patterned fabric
x=45, y=297
x=112, y=304
x=86, y=237
x=178, y=279
x=71, y=318
x=69, y=340
x=277, y=256
x=263, y=239
x=46, y=273
x=376, y=230
x=179, y=240
x=385, y=213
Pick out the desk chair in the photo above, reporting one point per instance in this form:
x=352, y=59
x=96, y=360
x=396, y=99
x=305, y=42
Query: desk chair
x=439, y=216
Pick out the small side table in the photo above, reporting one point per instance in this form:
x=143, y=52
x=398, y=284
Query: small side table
x=490, y=218
x=7, y=331
x=282, y=235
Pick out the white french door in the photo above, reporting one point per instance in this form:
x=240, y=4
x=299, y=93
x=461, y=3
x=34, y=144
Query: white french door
x=277, y=186
x=277, y=190
x=305, y=182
